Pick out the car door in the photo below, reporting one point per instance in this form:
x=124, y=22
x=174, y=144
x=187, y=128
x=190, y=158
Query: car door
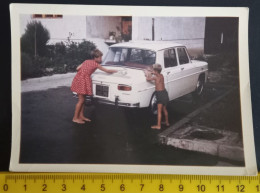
x=188, y=72
x=171, y=73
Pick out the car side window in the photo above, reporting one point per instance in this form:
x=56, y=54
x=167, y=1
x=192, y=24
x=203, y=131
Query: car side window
x=170, y=59
x=183, y=57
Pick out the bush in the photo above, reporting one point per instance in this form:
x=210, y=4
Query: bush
x=31, y=67
x=84, y=49
x=34, y=67
x=200, y=57
x=27, y=67
x=60, y=58
x=228, y=59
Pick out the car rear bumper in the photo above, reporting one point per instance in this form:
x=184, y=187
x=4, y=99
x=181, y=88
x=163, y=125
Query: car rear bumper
x=116, y=102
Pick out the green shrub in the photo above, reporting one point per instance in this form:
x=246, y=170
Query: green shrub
x=27, y=68
x=84, y=50
x=31, y=67
x=60, y=58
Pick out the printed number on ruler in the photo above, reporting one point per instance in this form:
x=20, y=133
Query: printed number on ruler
x=118, y=183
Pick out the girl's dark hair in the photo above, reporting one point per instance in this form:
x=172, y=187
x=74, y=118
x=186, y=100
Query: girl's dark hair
x=96, y=53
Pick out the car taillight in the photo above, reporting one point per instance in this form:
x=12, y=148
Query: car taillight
x=124, y=87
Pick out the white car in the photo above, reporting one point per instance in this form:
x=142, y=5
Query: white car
x=129, y=87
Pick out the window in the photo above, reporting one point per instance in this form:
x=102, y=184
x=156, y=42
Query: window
x=142, y=56
x=170, y=58
x=149, y=57
x=118, y=55
x=136, y=56
x=130, y=57
x=183, y=58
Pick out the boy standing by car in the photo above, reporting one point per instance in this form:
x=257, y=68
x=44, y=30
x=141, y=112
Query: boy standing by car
x=160, y=93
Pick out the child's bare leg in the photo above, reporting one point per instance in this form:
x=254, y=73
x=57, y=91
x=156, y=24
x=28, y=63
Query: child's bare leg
x=81, y=114
x=165, y=112
x=78, y=107
x=159, y=117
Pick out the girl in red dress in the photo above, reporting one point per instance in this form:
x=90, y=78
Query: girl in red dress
x=82, y=83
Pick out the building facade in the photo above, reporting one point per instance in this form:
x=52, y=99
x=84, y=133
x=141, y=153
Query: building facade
x=189, y=31
x=199, y=34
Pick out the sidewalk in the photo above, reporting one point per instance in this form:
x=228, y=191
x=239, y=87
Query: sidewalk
x=47, y=82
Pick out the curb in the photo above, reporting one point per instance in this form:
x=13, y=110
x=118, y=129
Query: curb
x=227, y=146
x=225, y=151
x=222, y=150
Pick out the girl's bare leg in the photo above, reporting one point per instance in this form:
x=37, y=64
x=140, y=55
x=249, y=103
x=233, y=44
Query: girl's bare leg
x=159, y=117
x=81, y=114
x=78, y=107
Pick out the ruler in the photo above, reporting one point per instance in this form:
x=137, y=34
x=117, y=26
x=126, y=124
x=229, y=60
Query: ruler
x=125, y=183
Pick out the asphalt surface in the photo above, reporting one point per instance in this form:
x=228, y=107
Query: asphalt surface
x=115, y=135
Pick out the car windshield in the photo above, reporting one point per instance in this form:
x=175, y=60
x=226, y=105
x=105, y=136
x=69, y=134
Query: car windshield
x=130, y=57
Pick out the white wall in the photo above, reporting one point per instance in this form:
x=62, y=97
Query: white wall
x=189, y=31
x=100, y=26
x=179, y=28
x=60, y=28
x=142, y=28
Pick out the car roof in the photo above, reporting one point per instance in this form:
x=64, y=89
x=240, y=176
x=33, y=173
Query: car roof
x=149, y=45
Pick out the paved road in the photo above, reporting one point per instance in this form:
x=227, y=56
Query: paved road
x=115, y=135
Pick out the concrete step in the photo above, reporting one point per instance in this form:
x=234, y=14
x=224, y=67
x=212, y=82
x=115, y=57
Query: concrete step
x=225, y=144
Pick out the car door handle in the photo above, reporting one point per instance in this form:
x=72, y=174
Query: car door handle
x=182, y=68
x=168, y=73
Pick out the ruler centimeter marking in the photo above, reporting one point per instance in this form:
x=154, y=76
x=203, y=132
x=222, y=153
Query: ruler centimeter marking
x=125, y=183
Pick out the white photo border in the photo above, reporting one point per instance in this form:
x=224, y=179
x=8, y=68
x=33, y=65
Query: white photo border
x=97, y=10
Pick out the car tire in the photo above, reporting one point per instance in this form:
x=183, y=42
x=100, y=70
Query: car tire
x=199, y=87
x=153, y=104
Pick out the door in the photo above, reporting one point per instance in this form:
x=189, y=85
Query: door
x=171, y=73
x=188, y=72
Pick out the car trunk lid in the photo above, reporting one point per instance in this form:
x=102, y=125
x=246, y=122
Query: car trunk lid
x=124, y=76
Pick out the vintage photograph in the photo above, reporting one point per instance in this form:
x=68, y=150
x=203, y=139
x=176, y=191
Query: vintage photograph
x=120, y=92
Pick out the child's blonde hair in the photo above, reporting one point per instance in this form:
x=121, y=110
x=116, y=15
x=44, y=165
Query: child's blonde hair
x=96, y=53
x=157, y=67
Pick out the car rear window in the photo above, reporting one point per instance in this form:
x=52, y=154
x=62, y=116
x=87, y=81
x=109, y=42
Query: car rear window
x=130, y=57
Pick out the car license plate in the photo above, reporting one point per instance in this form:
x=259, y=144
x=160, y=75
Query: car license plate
x=102, y=90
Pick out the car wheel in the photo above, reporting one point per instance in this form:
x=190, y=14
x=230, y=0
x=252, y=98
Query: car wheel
x=199, y=87
x=153, y=104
